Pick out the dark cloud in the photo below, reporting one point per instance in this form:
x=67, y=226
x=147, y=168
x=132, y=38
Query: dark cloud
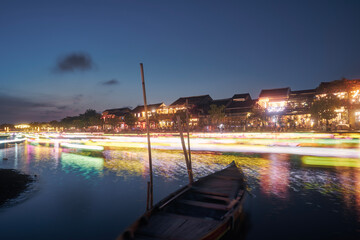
x=77, y=98
x=62, y=107
x=110, y=82
x=16, y=109
x=21, y=109
x=10, y=102
x=74, y=62
x=49, y=112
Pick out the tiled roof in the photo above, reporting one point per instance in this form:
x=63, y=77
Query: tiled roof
x=219, y=102
x=242, y=104
x=323, y=86
x=150, y=107
x=307, y=91
x=194, y=100
x=302, y=94
x=337, y=85
x=275, y=93
x=117, y=111
x=244, y=96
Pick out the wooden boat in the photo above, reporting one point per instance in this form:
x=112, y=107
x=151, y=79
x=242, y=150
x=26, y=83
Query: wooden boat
x=206, y=209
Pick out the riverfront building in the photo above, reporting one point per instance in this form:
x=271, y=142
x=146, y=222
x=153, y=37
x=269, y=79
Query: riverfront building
x=114, y=118
x=275, y=109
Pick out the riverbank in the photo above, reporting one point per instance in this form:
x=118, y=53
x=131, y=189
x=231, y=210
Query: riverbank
x=13, y=183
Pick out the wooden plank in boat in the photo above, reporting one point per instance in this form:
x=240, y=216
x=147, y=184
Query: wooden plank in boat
x=160, y=225
x=217, y=181
x=174, y=197
x=225, y=199
x=144, y=237
x=205, y=204
x=221, y=191
x=209, y=191
x=220, y=188
x=172, y=226
x=232, y=178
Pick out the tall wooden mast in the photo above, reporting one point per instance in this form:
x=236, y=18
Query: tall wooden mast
x=150, y=190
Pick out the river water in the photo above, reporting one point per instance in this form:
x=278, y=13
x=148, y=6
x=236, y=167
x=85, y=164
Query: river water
x=82, y=195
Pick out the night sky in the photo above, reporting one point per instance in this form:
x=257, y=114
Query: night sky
x=59, y=58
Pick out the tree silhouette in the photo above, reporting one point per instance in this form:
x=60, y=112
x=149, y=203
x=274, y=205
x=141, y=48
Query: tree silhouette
x=217, y=114
x=324, y=108
x=130, y=119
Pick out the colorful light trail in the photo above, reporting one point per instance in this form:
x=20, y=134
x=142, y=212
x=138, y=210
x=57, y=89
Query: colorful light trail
x=312, y=144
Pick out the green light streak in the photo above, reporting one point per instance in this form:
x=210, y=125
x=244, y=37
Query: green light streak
x=331, y=161
x=84, y=164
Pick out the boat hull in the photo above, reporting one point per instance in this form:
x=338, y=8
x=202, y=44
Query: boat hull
x=207, y=209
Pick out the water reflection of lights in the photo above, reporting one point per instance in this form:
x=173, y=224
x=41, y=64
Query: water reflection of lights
x=171, y=164
x=81, y=146
x=275, y=178
x=85, y=165
x=349, y=179
x=17, y=140
x=124, y=164
x=275, y=175
x=357, y=192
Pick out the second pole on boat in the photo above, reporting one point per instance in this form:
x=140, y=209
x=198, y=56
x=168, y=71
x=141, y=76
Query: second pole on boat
x=150, y=188
x=188, y=136
x=188, y=166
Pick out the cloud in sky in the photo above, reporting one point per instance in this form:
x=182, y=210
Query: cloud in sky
x=74, y=62
x=77, y=98
x=110, y=82
x=8, y=103
x=15, y=109
x=63, y=107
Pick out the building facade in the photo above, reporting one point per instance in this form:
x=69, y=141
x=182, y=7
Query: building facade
x=275, y=109
x=114, y=119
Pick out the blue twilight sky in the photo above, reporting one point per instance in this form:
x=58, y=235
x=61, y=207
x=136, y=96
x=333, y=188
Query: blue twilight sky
x=58, y=58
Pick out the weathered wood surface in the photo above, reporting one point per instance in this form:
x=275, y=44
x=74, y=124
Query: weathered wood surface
x=195, y=212
x=171, y=226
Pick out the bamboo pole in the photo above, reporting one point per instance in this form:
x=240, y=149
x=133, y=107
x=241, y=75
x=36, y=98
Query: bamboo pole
x=147, y=196
x=184, y=149
x=188, y=138
x=148, y=137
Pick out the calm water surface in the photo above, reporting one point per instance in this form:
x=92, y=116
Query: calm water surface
x=81, y=195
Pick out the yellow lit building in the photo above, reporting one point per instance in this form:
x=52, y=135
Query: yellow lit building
x=114, y=118
x=22, y=126
x=347, y=91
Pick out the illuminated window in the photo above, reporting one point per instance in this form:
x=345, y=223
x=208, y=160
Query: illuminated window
x=340, y=95
x=342, y=109
x=355, y=96
x=22, y=126
x=357, y=116
x=276, y=106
